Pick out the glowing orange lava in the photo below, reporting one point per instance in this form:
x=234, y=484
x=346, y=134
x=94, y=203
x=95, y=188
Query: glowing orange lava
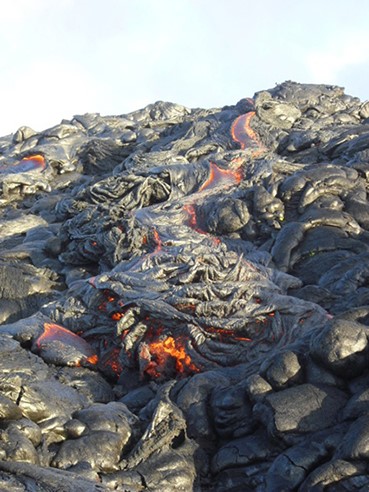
x=192, y=217
x=56, y=333
x=221, y=177
x=33, y=162
x=169, y=350
x=242, y=132
x=93, y=359
x=157, y=241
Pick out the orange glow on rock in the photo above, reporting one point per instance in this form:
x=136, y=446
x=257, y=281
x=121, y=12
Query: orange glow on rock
x=221, y=177
x=56, y=333
x=227, y=333
x=93, y=359
x=32, y=163
x=113, y=361
x=35, y=161
x=242, y=132
x=157, y=241
x=164, y=353
x=186, y=307
x=192, y=218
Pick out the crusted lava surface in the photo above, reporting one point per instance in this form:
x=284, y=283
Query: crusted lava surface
x=184, y=298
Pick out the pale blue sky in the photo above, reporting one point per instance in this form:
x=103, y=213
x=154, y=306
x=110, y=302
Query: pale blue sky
x=66, y=57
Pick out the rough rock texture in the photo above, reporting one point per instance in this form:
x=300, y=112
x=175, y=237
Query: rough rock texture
x=184, y=298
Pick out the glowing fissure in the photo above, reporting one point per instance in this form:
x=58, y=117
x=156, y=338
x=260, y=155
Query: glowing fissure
x=227, y=334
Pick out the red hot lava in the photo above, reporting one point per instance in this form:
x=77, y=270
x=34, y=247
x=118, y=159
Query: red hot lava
x=218, y=178
x=192, y=218
x=54, y=333
x=162, y=356
x=221, y=177
x=166, y=355
x=32, y=163
x=242, y=132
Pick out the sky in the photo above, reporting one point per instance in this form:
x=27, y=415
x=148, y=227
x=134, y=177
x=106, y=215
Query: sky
x=65, y=57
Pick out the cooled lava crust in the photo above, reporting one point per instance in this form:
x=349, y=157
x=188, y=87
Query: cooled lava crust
x=184, y=298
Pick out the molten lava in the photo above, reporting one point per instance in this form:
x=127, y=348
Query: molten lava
x=192, y=218
x=54, y=333
x=32, y=163
x=167, y=354
x=221, y=177
x=157, y=241
x=242, y=132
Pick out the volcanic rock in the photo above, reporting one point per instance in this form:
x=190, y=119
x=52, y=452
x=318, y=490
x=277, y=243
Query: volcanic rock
x=184, y=299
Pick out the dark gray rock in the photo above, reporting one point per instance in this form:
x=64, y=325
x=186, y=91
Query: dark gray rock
x=17, y=446
x=228, y=216
x=18, y=367
x=300, y=410
x=32, y=477
x=355, y=444
x=293, y=465
x=231, y=412
x=341, y=347
x=49, y=399
x=101, y=449
x=107, y=228
x=75, y=428
x=317, y=374
x=136, y=399
x=244, y=451
x=357, y=405
x=29, y=429
x=8, y=409
x=282, y=370
x=257, y=387
x=331, y=473
x=276, y=113
x=113, y=417
x=90, y=384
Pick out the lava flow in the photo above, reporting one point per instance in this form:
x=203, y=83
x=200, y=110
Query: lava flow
x=192, y=218
x=221, y=177
x=218, y=178
x=242, y=132
x=31, y=163
x=56, y=334
x=167, y=355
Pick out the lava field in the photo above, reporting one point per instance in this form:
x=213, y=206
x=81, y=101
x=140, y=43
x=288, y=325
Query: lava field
x=184, y=298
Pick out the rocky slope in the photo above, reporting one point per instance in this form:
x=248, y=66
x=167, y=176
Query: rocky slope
x=184, y=298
